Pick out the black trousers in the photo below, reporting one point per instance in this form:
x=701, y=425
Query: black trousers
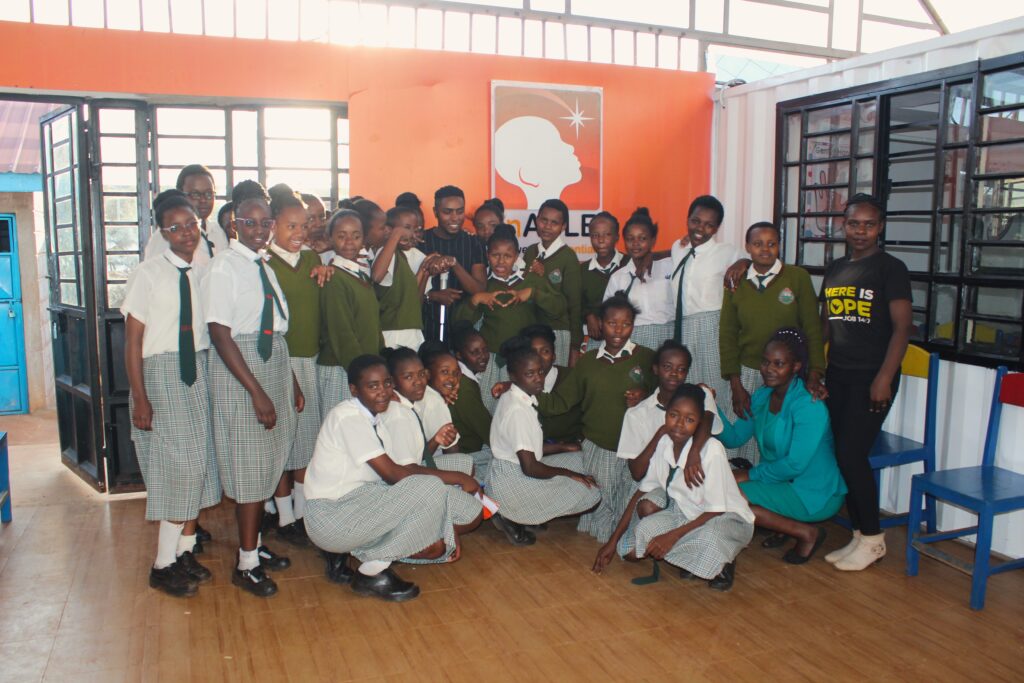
x=855, y=429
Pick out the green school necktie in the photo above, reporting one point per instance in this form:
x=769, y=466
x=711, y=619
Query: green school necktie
x=632, y=279
x=265, y=343
x=681, y=271
x=428, y=457
x=186, y=342
x=209, y=244
x=760, y=281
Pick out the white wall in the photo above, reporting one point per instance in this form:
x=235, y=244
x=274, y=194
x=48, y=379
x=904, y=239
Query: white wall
x=743, y=177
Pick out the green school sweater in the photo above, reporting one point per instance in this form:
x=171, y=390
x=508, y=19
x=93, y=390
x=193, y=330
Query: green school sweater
x=470, y=417
x=501, y=323
x=350, y=320
x=564, y=427
x=598, y=388
x=303, y=296
x=750, y=318
x=400, y=305
x=562, y=269
x=594, y=283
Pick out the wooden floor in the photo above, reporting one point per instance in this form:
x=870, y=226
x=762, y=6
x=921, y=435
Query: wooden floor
x=75, y=605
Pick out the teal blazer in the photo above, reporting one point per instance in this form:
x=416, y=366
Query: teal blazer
x=796, y=448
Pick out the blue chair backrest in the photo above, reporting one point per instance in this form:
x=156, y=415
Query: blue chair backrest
x=995, y=414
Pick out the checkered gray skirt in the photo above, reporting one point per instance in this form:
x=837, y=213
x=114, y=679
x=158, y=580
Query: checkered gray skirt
x=527, y=500
x=700, y=335
x=487, y=379
x=389, y=523
x=250, y=457
x=332, y=381
x=562, y=339
x=612, y=475
x=752, y=381
x=308, y=421
x=703, y=552
x=454, y=462
x=481, y=462
x=177, y=457
x=652, y=336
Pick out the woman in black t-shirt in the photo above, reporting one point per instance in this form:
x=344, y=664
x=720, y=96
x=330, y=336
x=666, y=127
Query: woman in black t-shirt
x=866, y=317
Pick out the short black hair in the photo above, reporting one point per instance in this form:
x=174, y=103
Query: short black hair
x=870, y=200
x=396, y=357
x=462, y=331
x=607, y=216
x=795, y=340
x=539, y=331
x=227, y=209
x=616, y=302
x=431, y=350
x=191, y=170
x=706, y=201
x=368, y=209
x=408, y=199
x=517, y=351
x=395, y=213
x=360, y=364
x=761, y=225
x=342, y=214
x=284, y=197
x=310, y=198
x=446, y=192
x=503, y=232
x=669, y=346
x=167, y=201
x=690, y=392
x=495, y=206
x=642, y=217
x=559, y=206
x=248, y=190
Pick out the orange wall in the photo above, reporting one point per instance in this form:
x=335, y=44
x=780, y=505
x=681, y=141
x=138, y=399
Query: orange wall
x=419, y=119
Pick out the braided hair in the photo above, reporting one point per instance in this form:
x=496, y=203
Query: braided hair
x=796, y=342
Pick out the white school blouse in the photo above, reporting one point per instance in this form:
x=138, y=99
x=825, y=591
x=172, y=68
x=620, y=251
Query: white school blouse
x=703, y=275
x=653, y=296
x=346, y=443
x=644, y=419
x=407, y=439
x=435, y=414
x=718, y=493
x=516, y=426
x=152, y=297
x=157, y=245
x=233, y=291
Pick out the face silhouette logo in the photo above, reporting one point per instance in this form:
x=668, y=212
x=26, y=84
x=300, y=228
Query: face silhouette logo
x=546, y=144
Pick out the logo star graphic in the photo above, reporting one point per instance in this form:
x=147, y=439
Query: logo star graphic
x=577, y=118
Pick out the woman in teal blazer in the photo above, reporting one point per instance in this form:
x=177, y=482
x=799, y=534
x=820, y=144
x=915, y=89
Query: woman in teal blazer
x=797, y=479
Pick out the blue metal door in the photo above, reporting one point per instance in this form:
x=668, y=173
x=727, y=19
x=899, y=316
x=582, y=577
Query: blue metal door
x=13, y=389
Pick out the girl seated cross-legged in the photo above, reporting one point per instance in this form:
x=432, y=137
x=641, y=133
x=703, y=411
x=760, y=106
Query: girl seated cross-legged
x=365, y=510
x=700, y=529
x=531, y=482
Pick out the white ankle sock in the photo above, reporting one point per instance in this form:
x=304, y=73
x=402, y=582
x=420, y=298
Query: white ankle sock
x=259, y=540
x=186, y=544
x=299, y=499
x=167, y=544
x=269, y=507
x=248, y=559
x=285, y=515
x=373, y=567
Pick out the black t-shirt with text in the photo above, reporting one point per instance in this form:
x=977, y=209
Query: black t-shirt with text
x=856, y=295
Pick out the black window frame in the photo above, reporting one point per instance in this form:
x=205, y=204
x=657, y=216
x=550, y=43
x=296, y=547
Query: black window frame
x=954, y=275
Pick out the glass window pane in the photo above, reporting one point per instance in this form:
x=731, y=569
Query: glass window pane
x=429, y=29
x=831, y=200
x=120, y=209
x=675, y=13
x=830, y=173
x=916, y=257
x=61, y=156
x=284, y=19
x=997, y=301
x=252, y=21
x=822, y=226
x=918, y=294
x=297, y=124
x=298, y=154
x=402, y=27
x=533, y=38
x=62, y=184
x=867, y=114
x=456, y=31
x=948, y=260
x=184, y=151
x=69, y=293
x=954, y=177
x=623, y=44
x=792, y=190
x=60, y=128
x=998, y=193
x=959, y=112
x=117, y=150
x=310, y=182
x=911, y=198
x=1006, y=125
x=999, y=227
x=646, y=50
x=244, y=150
x=668, y=52
x=485, y=34
x=988, y=337
x=117, y=120
x=66, y=240
x=343, y=160
x=916, y=168
x=943, y=311
x=119, y=178
x=187, y=121
x=1002, y=88
x=908, y=228
x=576, y=43
x=67, y=270
x=997, y=260
x=832, y=118
x=913, y=138
x=865, y=173
x=793, y=137
x=828, y=147
x=120, y=266
x=866, y=142
x=220, y=17
x=344, y=187
x=510, y=36
x=554, y=40
x=115, y=294
x=122, y=238
x=1000, y=159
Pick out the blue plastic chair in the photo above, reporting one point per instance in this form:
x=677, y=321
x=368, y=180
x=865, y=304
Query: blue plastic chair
x=986, y=490
x=893, y=450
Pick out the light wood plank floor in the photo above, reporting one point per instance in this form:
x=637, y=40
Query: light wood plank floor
x=75, y=605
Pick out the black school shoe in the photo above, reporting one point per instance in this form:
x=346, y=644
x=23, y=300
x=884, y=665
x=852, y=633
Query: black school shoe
x=190, y=565
x=172, y=580
x=337, y=570
x=387, y=586
x=202, y=535
x=271, y=560
x=515, y=533
x=293, y=534
x=723, y=581
x=255, y=581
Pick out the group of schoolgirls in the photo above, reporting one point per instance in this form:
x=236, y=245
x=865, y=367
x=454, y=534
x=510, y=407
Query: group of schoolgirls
x=377, y=460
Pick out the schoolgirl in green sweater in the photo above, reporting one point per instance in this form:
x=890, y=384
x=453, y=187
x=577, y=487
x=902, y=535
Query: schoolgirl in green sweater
x=350, y=316
x=511, y=300
x=557, y=261
x=604, y=235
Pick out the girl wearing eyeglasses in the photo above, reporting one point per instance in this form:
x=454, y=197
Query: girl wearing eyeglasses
x=196, y=182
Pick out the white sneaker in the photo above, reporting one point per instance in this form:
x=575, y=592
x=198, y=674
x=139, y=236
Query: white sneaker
x=839, y=554
x=869, y=550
